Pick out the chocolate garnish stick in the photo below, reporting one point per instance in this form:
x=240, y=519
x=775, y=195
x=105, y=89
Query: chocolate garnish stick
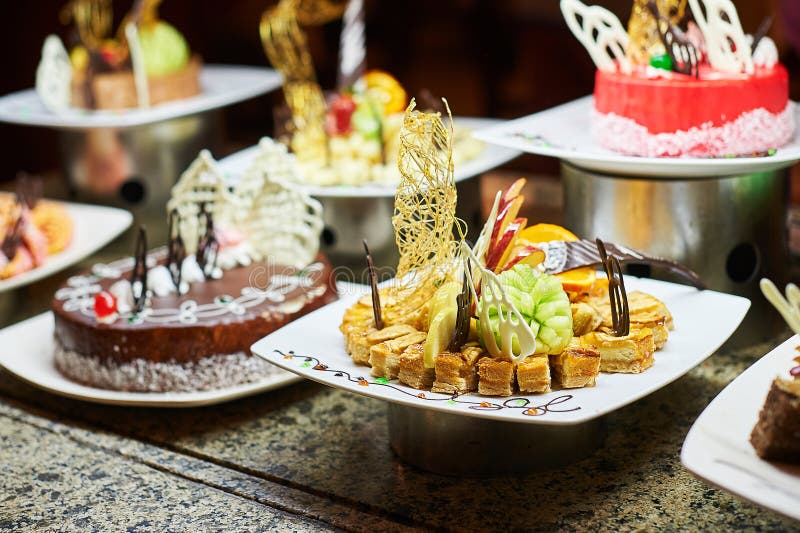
x=13, y=239
x=373, y=281
x=761, y=32
x=176, y=249
x=139, y=272
x=618, y=296
x=464, y=302
x=583, y=253
x=207, y=245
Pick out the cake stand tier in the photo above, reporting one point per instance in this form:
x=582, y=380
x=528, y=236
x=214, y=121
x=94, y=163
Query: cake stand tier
x=731, y=230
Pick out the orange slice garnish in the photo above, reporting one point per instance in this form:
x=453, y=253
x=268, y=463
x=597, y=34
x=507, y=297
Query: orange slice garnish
x=547, y=232
x=386, y=90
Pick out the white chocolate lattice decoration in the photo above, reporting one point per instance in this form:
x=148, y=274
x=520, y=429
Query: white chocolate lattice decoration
x=54, y=75
x=600, y=32
x=424, y=211
x=516, y=338
x=202, y=184
x=283, y=224
x=726, y=45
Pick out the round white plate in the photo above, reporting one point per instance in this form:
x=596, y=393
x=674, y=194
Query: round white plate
x=717, y=448
x=94, y=227
x=26, y=350
x=322, y=357
x=492, y=156
x=565, y=132
x=222, y=85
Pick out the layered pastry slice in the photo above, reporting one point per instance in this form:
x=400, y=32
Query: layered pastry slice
x=576, y=367
x=776, y=436
x=458, y=372
x=629, y=354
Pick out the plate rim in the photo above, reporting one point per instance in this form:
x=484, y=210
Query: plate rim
x=611, y=162
x=148, y=399
x=386, y=190
x=695, y=437
x=124, y=219
x=591, y=413
x=131, y=118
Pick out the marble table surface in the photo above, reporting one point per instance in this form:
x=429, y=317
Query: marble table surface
x=307, y=457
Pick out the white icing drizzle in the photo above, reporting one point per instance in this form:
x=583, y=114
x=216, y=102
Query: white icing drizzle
x=726, y=46
x=600, y=32
x=78, y=296
x=54, y=75
x=137, y=65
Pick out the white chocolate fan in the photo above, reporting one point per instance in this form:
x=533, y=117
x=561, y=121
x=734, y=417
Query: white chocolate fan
x=600, y=32
x=788, y=307
x=726, y=45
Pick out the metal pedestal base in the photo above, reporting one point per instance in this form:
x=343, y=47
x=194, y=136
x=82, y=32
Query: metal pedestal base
x=467, y=446
x=135, y=168
x=349, y=220
x=731, y=230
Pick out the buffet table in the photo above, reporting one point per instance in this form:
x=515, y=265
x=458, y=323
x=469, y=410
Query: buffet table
x=307, y=457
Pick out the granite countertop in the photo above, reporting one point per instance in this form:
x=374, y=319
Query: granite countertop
x=307, y=457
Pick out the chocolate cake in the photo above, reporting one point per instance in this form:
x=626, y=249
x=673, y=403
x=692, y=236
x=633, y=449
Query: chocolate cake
x=197, y=340
x=776, y=436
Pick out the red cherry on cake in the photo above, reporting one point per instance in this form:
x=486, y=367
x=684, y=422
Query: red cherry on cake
x=105, y=305
x=339, y=114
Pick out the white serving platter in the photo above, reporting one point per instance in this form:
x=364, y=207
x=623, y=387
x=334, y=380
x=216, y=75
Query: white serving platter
x=94, y=227
x=717, y=448
x=491, y=157
x=313, y=347
x=222, y=85
x=565, y=132
x=26, y=351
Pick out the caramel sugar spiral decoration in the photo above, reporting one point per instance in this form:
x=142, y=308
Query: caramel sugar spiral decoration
x=424, y=214
x=287, y=49
x=643, y=28
x=92, y=18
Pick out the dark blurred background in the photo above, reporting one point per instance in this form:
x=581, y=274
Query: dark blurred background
x=499, y=58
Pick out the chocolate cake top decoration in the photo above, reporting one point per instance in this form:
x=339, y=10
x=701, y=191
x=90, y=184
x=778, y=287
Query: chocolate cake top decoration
x=620, y=312
x=207, y=245
x=176, y=250
x=139, y=272
x=373, y=282
x=685, y=58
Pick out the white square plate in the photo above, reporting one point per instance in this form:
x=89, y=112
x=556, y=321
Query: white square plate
x=565, y=132
x=717, y=448
x=313, y=347
x=94, y=227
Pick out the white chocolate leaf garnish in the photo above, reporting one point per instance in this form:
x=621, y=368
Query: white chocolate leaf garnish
x=766, y=53
x=726, y=46
x=600, y=32
x=137, y=65
x=54, y=75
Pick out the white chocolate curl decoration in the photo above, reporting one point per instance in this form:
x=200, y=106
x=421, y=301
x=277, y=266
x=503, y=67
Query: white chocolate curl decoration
x=788, y=307
x=54, y=75
x=726, y=44
x=600, y=32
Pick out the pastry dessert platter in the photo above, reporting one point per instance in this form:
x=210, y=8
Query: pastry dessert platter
x=39, y=237
x=142, y=73
x=351, y=136
x=173, y=326
x=683, y=81
x=519, y=327
x=747, y=440
x=146, y=63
